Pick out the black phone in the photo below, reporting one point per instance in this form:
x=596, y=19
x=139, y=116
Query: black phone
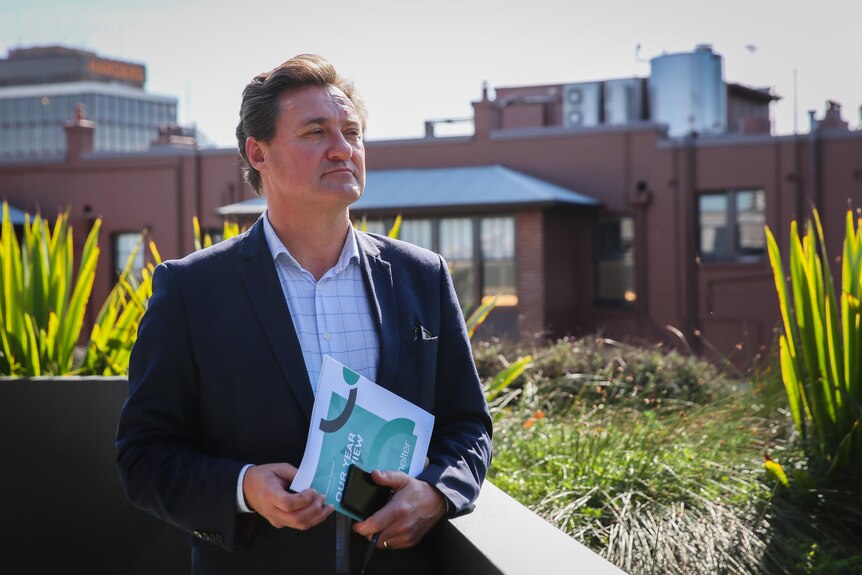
x=361, y=495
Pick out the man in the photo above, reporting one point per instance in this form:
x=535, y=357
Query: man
x=222, y=376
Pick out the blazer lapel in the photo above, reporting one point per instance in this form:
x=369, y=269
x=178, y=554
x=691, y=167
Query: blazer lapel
x=381, y=292
x=264, y=290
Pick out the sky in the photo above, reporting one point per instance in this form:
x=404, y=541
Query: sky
x=414, y=61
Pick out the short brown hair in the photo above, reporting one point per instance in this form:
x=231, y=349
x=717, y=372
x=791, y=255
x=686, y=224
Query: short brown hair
x=260, y=108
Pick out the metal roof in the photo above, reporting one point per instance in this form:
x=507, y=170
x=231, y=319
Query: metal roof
x=471, y=186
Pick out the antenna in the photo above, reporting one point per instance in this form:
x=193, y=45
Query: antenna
x=638, y=59
x=795, y=106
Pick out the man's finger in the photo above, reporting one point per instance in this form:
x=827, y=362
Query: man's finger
x=293, y=502
x=309, y=516
x=392, y=479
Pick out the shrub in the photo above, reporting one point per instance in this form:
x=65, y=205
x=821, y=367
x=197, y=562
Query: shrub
x=42, y=306
x=821, y=348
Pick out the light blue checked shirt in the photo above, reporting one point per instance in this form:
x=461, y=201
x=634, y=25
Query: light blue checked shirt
x=331, y=316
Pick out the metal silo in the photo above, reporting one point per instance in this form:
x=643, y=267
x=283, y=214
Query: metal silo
x=687, y=92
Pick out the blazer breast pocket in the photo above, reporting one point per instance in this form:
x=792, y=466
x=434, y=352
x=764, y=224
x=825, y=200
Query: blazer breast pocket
x=423, y=350
x=420, y=334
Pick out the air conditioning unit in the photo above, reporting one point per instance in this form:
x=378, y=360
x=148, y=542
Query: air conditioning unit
x=581, y=104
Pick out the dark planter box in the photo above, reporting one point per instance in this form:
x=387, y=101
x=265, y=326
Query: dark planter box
x=63, y=506
x=64, y=510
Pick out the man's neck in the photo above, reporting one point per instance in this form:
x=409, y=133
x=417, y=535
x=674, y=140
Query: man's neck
x=315, y=243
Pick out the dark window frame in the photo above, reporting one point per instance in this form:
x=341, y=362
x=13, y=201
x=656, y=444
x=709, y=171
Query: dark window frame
x=620, y=303
x=736, y=253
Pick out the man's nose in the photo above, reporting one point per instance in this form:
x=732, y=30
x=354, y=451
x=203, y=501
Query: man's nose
x=340, y=148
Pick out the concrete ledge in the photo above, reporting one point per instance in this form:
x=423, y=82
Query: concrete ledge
x=502, y=537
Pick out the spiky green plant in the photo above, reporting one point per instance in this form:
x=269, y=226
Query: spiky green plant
x=229, y=230
x=821, y=347
x=42, y=306
x=116, y=327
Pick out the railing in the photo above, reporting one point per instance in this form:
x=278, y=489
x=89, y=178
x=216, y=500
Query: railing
x=64, y=510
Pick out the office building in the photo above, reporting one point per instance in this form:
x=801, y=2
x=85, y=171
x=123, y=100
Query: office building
x=41, y=88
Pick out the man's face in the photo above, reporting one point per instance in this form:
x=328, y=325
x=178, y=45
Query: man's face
x=315, y=162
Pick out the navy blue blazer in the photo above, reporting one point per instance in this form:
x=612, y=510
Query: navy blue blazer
x=217, y=380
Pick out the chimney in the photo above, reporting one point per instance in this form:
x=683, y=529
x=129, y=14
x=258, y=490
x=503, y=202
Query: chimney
x=79, y=135
x=485, y=115
x=832, y=121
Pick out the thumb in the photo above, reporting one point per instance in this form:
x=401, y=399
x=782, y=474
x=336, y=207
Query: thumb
x=392, y=479
x=284, y=471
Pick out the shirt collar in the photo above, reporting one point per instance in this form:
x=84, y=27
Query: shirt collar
x=349, y=253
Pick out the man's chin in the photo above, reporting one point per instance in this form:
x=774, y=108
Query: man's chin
x=348, y=192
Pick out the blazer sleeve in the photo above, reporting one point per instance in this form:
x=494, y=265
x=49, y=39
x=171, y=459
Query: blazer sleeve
x=160, y=451
x=460, y=450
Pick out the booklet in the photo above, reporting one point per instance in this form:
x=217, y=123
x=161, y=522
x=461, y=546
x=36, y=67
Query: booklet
x=355, y=421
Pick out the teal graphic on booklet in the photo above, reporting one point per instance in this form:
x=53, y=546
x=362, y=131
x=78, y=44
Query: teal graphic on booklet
x=358, y=422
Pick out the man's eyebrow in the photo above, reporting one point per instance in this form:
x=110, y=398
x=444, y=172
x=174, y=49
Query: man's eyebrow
x=322, y=121
x=318, y=120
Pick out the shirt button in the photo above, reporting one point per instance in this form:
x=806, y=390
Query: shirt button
x=326, y=335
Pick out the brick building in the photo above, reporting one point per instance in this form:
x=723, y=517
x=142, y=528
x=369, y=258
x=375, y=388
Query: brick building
x=587, y=207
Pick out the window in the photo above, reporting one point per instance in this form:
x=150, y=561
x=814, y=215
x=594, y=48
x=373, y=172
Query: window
x=498, y=260
x=417, y=232
x=376, y=227
x=731, y=225
x=614, y=262
x=456, y=245
x=480, y=253
x=124, y=244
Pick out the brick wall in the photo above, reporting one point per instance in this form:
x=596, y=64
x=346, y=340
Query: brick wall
x=530, y=271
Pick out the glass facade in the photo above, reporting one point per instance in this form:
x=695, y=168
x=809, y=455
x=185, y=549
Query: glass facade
x=32, y=126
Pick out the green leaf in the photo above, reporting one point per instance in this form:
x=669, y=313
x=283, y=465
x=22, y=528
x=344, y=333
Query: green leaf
x=504, y=378
x=396, y=228
x=477, y=318
x=73, y=321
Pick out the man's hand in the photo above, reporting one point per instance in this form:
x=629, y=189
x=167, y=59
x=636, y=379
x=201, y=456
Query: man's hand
x=265, y=490
x=414, y=509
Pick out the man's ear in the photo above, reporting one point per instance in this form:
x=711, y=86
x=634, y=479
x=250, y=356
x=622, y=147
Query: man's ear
x=255, y=153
